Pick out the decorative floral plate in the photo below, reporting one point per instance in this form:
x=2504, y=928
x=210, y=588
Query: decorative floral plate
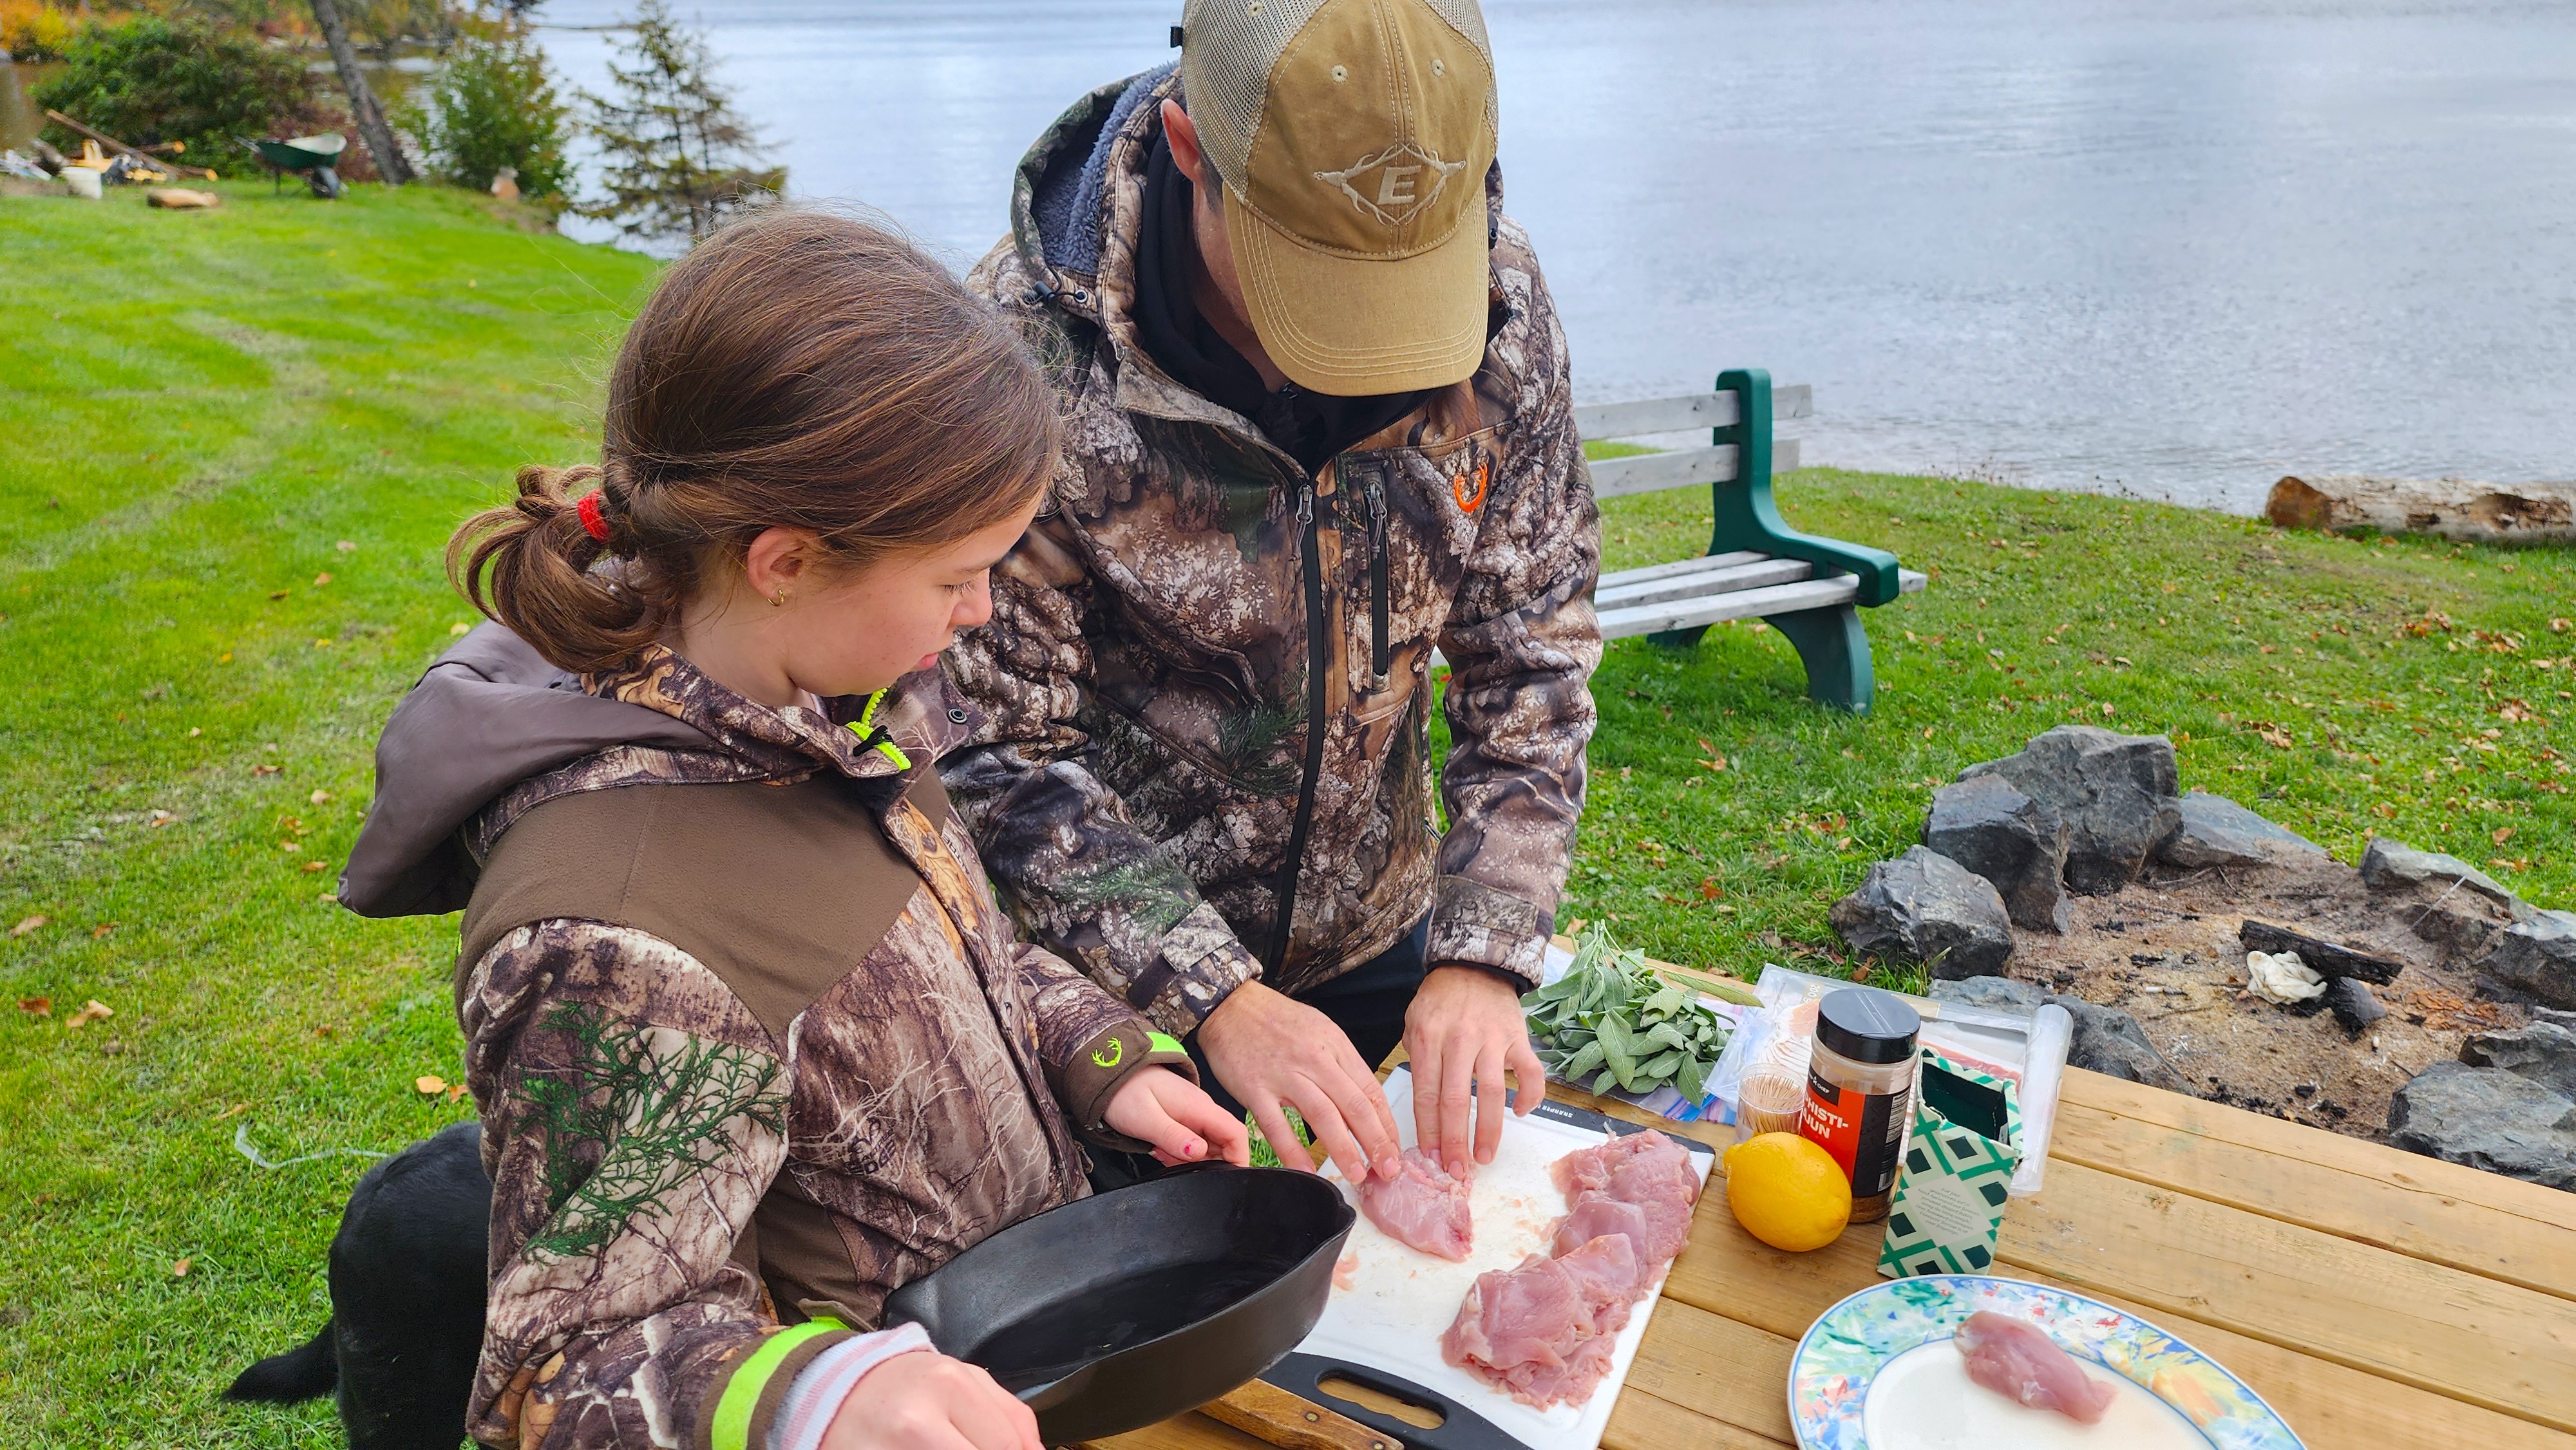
x=1848, y=1344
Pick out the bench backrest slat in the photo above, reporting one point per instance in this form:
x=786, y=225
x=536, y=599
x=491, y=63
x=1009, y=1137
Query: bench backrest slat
x=1651, y=472
x=1673, y=415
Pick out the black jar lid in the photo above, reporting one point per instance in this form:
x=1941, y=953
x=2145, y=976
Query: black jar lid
x=1866, y=1025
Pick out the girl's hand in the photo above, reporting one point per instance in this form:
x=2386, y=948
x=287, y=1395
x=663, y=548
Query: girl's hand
x=927, y=1401
x=1178, y=1118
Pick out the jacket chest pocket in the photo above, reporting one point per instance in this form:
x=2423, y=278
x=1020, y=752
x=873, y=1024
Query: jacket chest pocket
x=1408, y=519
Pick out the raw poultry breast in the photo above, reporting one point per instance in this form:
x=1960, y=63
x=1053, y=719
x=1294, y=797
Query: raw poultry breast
x=1421, y=1205
x=1543, y=1332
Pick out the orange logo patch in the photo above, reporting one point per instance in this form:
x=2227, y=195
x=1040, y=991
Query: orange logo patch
x=1468, y=503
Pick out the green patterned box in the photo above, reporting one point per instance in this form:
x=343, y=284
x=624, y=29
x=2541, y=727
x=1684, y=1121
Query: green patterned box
x=1959, y=1161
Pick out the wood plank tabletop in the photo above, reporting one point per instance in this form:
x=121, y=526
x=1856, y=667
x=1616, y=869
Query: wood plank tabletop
x=2376, y=1299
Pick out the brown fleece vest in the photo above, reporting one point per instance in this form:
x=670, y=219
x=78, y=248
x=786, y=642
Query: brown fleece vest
x=780, y=890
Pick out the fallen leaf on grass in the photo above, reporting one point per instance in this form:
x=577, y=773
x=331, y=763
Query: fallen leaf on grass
x=277, y=594
x=2501, y=835
x=179, y=1270
x=291, y=847
x=36, y=1006
x=456, y=1092
x=29, y=924
x=460, y=628
x=266, y=769
x=321, y=579
x=312, y=866
x=292, y=825
x=90, y=1012
x=234, y=1111
x=321, y=644
x=2274, y=736
x=104, y=928
x=2518, y=863
x=2384, y=811
x=321, y=797
x=162, y=818
x=346, y=547
x=428, y=1085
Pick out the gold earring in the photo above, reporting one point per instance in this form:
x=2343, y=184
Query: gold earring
x=778, y=599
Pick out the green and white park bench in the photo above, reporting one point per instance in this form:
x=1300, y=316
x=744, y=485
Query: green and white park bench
x=1810, y=589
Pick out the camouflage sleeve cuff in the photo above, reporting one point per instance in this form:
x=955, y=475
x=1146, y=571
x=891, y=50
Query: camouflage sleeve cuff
x=1102, y=1066
x=749, y=1400
x=1474, y=925
x=1200, y=963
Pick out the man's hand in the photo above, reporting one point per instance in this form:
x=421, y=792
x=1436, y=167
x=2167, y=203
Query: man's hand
x=1269, y=1048
x=927, y=1401
x=1463, y=1031
x=1178, y=1118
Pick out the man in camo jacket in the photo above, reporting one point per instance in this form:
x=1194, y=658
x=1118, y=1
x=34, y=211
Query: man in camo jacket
x=1319, y=426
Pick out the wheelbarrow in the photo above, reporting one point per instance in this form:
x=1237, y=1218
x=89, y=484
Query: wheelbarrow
x=316, y=158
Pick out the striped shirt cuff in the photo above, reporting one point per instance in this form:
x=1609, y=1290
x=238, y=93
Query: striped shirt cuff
x=815, y=1395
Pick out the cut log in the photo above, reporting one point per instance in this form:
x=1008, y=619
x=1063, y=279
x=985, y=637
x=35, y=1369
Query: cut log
x=179, y=198
x=2323, y=957
x=2454, y=508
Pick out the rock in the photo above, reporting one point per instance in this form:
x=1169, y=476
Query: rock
x=2115, y=791
x=2110, y=1041
x=2216, y=831
x=180, y=198
x=1925, y=907
x=1995, y=994
x=2442, y=899
x=2537, y=957
x=2018, y=843
x=2387, y=865
x=2486, y=1118
x=2325, y=958
x=2544, y=1052
x=2354, y=1004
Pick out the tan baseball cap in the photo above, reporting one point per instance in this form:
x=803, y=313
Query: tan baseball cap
x=1353, y=137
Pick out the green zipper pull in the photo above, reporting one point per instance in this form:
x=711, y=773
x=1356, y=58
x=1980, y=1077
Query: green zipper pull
x=865, y=726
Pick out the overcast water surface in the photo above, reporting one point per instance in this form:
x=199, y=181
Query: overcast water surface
x=2176, y=248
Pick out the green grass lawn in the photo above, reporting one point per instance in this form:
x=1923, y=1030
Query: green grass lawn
x=202, y=415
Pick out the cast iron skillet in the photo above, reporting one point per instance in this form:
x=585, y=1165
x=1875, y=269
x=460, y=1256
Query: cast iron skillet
x=1122, y=1309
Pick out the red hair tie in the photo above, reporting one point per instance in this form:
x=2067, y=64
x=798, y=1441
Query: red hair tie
x=592, y=520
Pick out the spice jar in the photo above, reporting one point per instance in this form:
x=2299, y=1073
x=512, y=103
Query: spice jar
x=1860, y=1089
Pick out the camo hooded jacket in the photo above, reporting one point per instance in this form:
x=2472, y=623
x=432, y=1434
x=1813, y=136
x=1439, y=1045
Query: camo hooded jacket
x=713, y=1096
x=1204, y=662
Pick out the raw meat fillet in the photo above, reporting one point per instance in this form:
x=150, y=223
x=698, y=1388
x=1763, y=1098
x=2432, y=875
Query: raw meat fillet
x=1611, y=1278
x=1422, y=1206
x=2016, y=1358
x=1636, y=1167
x=1529, y=1332
x=1660, y=1228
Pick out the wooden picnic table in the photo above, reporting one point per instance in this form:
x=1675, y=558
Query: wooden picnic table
x=2378, y=1300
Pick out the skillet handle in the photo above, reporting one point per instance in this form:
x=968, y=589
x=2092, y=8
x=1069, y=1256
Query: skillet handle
x=1268, y=1413
x=1460, y=1428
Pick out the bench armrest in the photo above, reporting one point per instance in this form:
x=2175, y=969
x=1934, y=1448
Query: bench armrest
x=1746, y=517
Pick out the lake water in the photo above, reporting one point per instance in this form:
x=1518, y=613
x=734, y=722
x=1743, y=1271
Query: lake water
x=2174, y=247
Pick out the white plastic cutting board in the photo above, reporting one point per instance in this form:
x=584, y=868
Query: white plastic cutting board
x=1401, y=1299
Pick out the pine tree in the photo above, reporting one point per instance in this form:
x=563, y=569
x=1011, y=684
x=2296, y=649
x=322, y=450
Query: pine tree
x=675, y=156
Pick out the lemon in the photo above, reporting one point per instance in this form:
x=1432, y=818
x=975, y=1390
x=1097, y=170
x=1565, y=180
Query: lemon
x=1787, y=1192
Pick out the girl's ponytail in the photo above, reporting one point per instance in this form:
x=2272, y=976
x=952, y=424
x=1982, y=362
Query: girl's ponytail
x=797, y=369
x=529, y=565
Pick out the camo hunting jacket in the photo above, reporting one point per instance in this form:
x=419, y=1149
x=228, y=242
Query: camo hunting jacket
x=1204, y=660
x=721, y=1090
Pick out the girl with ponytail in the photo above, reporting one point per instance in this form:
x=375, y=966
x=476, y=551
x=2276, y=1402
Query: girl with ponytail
x=751, y=1041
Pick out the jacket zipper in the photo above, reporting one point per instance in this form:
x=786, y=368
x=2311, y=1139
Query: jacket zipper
x=1318, y=661
x=1378, y=661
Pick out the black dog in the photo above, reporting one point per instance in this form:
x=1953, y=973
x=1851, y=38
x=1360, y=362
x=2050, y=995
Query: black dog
x=407, y=1290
